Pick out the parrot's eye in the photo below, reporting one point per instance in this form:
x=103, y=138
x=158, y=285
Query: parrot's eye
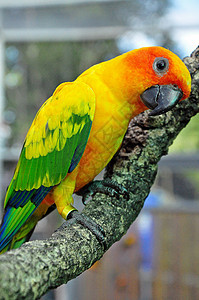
x=161, y=65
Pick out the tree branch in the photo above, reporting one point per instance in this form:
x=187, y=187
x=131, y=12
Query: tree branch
x=28, y=272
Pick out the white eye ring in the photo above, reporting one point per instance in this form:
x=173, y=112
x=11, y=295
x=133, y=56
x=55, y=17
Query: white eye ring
x=161, y=65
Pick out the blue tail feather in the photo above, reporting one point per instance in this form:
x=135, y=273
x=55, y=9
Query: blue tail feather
x=18, y=209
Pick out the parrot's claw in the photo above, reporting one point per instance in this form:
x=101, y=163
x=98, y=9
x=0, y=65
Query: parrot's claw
x=91, y=225
x=106, y=186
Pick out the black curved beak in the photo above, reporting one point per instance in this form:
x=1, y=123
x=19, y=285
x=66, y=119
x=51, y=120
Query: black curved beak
x=161, y=98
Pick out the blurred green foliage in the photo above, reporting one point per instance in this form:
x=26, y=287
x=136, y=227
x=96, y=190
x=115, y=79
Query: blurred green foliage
x=188, y=139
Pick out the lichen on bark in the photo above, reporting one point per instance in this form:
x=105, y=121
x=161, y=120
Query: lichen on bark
x=29, y=272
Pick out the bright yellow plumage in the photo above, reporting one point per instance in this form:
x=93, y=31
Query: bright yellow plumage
x=78, y=130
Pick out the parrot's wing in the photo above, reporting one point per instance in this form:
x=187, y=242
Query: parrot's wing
x=53, y=147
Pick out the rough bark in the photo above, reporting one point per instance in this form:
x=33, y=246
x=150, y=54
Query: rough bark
x=28, y=272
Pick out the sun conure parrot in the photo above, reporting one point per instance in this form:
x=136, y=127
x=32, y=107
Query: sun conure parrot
x=80, y=127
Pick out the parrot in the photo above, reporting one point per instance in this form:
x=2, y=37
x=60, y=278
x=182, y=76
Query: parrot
x=77, y=131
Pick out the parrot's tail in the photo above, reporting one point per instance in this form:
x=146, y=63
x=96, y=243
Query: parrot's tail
x=22, y=236
x=25, y=231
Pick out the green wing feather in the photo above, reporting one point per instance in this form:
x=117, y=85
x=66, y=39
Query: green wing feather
x=59, y=127
x=53, y=147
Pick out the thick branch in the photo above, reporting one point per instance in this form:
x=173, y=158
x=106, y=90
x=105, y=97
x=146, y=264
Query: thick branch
x=28, y=272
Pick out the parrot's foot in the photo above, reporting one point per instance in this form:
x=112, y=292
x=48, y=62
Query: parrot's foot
x=106, y=186
x=91, y=225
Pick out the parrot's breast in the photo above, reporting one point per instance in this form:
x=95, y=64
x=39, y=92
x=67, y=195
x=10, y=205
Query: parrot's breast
x=109, y=126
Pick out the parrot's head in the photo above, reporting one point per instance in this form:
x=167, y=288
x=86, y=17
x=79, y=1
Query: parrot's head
x=162, y=79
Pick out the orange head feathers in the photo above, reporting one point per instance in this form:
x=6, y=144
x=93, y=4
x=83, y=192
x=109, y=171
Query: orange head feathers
x=164, y=79
x=155, y=70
